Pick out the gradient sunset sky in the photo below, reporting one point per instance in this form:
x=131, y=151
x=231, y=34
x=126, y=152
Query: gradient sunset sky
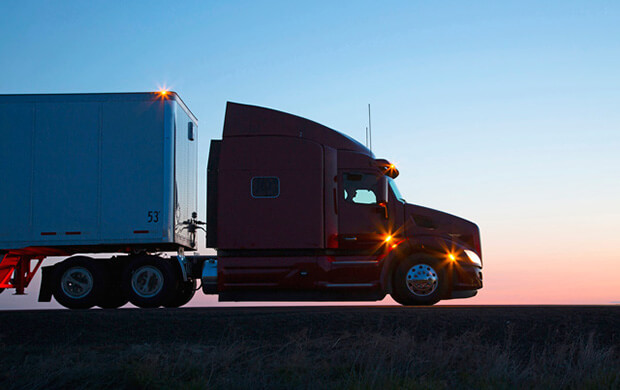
x=504, y=113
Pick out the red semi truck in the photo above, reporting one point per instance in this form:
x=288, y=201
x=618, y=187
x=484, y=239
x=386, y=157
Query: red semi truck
x=296, y=211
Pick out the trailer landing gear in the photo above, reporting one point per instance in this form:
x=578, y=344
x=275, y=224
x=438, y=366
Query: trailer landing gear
x=19, y=267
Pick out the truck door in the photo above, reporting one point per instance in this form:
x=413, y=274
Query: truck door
x=362, y=220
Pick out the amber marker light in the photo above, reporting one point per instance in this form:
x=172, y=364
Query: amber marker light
x=162, y=94
x=451, y=256
x=388, y=239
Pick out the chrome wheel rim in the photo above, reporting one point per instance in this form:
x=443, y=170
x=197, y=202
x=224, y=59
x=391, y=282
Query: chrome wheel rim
x=76, y=282
x=422, y=280
x=147, y=281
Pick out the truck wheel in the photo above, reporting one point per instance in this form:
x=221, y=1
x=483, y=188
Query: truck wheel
x=113, y=299
x=419, y=280
x=184, y=294
x=114, y=296
x=150, y=281
x=79, y=282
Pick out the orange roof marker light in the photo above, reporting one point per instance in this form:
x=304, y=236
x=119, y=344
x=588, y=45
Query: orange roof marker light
x=163, y=92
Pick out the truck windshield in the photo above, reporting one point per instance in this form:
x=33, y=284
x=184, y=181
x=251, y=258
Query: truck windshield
x=395, y=190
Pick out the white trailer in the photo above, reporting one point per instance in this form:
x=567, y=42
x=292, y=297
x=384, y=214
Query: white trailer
x=95, y=172
x=85, y=173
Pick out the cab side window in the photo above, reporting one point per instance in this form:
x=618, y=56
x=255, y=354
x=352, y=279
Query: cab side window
x=265, y=187
x=360, y=188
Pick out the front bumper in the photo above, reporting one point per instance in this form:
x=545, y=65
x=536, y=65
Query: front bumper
x=463, y=294
x=466, y=277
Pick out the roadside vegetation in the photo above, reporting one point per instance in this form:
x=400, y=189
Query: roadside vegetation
x=391, y=359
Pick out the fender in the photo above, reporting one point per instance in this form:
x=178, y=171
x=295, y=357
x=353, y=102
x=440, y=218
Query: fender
x=433, y=245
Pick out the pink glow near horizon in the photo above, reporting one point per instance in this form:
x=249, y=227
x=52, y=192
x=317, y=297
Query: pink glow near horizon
x=503, y=113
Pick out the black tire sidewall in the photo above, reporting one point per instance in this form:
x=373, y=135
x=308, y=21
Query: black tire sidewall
x=114, y=296
x=401, y=293
x=165, y=295
x=113, y=300
x=99, y=283
x=184, y=294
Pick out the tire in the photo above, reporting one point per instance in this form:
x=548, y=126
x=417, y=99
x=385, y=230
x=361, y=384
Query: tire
x=1, y=290
x=184, y=294
x=113, y=299
x=79, y=282
x=419, y=280
x=150, y=281
x=114, y=296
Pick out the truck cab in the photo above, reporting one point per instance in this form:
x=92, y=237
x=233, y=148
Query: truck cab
x=298, y=211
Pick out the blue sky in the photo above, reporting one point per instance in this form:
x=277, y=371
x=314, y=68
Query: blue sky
x=505, y=113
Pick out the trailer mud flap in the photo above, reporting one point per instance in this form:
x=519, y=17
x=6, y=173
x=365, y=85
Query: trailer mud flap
x=47, y=276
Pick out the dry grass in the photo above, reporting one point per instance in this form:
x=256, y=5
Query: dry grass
x=364, y=360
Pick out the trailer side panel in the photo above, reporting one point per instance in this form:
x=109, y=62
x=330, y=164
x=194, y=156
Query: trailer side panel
x=96, y=172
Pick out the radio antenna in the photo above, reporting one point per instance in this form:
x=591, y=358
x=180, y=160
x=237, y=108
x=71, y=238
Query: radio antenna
x=369, y=130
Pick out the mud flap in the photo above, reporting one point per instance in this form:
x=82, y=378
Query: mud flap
x=47, y=276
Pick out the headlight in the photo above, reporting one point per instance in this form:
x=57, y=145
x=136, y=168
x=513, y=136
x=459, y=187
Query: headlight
x=473, y=257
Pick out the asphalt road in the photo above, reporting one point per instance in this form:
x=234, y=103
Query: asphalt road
x=526, y=325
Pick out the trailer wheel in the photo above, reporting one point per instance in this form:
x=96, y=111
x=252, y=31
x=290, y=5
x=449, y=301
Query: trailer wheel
x=79, y=282
x=419, y=280
x=185, y=292
x=150, y=281
x=114, y=296
x=113, y=299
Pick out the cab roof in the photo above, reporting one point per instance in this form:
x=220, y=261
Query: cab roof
x=244, y=120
